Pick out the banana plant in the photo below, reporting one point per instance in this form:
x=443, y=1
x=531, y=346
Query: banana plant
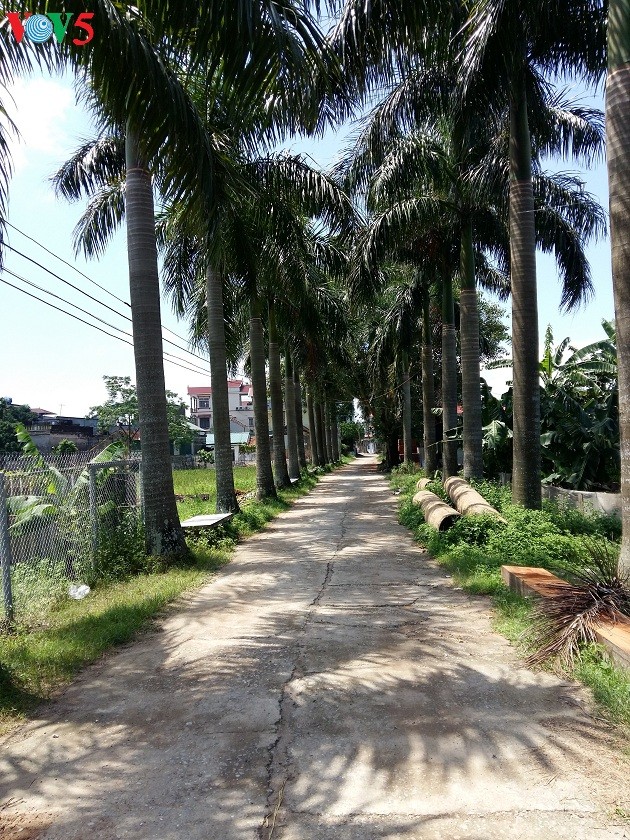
x=60, y=497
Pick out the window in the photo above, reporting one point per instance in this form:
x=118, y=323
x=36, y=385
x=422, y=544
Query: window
x=204, y=422
x=251, y=422
x=204, y=402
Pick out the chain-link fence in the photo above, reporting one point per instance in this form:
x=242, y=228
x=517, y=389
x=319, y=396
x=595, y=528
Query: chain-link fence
x=56, y=515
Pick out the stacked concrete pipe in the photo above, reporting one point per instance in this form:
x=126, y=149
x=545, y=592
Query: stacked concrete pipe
x=468, y=501
x=436, y=512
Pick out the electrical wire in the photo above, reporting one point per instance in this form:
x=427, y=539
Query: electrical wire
x=96, y=300
x=96, y=317
x=98, y=285
x=83, y=321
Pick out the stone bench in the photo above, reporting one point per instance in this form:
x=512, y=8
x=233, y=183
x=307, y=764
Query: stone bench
x=207, y=520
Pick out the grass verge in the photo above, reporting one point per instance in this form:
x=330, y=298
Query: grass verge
x=475, y=548
x=40, y=656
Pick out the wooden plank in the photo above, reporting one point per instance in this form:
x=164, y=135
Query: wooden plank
x=616, y=639
x=527, y=580
x=210, y=520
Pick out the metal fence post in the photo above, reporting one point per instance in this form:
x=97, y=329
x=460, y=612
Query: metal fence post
x=141, y=489
x=93, y=508
x=5, y=551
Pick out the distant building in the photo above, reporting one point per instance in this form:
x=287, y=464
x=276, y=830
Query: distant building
x=240, y=401
x=50, y=429
x=241, y=405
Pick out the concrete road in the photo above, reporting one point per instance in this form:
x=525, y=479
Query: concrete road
x=330, y=684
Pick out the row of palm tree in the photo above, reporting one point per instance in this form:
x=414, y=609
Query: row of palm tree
x=447, y=170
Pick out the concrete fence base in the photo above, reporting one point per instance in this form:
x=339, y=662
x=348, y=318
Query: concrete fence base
x=608, y=503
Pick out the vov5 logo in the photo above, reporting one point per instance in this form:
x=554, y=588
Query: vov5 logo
x=39, y=28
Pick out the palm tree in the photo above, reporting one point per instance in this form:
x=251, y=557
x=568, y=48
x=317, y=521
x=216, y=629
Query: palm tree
x=292, y=426
x=509, y=42
x=163, y=532
x=428, y=387
x=618, y=143
x=298, y=415
x=224, y=475
x=281, y=473
x=122, y=88
x=265, y=486
x=312, y=426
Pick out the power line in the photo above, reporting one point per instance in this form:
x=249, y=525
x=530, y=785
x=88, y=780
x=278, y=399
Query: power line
x=65, y=262
x=87, y=277
x=96, y=317
x=96, y=300
x=94, y=327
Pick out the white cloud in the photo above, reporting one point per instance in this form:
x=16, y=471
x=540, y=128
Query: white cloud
x=40, y=108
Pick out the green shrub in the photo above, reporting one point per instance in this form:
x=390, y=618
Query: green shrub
x=558, y=538
x=120, y=552
x=573, y=521
x=495, y=494
x=474, y=530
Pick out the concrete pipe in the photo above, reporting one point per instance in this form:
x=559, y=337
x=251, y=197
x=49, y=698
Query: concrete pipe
x=436, y=512
x=421, y=483
x=467, y=501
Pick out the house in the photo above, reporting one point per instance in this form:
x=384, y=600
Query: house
x=237, y=439
x=49, y=429
x=240, y=401
x=241, y=404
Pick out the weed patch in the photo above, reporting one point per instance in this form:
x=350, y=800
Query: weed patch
x=556, y=538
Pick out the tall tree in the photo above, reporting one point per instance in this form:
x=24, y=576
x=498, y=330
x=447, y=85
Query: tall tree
x=298, y=416
x=510, y=42
x=163, y=532
x=265, y=487
x=226, y=493
x=281, y=473
x=292, y=430
x=618, y=137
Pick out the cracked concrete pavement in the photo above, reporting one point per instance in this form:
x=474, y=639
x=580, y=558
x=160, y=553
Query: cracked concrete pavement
x=331, y=682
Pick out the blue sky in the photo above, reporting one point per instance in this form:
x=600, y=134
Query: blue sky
x=54, y=362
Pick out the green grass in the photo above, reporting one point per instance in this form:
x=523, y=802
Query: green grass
x=475, y=548
x=39, y=659
x=194, y=484
x=42, y=655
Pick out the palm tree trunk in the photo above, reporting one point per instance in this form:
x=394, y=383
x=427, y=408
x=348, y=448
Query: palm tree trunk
x=449, y=379
x=264, y=477
x=226, y=495
x=321, y=439
x=335, y=433
x=281, y=474
x=406, y=409
x=526, y=488
x=618, y=154
x=328, y=432
x=289, y=399
x=428, y=389
x=471, y=368
x=312, y=427
x=298, y=416
x=163, y=532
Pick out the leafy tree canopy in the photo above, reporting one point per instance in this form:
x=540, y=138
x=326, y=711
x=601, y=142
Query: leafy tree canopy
x=10, y=415
x=120, y=410
x=351, y=432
